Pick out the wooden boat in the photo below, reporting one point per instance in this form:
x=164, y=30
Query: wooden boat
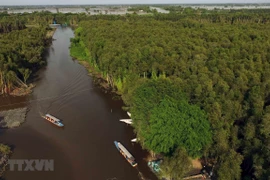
x=125, y=153
x=53, y=120
x=128, y=121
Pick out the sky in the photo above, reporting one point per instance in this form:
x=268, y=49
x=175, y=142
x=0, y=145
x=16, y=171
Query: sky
x=63, y=2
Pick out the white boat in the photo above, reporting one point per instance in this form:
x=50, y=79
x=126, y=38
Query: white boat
x=128, y=121
x=53, y=120
x=128, y=113
x=134, y=140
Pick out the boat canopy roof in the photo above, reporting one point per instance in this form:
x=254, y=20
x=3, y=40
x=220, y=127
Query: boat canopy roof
x=52, y=117
x=125, y=119
x=125, y=151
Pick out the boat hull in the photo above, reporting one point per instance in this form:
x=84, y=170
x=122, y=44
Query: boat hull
x=57, y=123
x=122, y=151
x=127, y=121
x=116, y=145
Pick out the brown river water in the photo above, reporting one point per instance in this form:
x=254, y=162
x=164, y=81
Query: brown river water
x=84, y=148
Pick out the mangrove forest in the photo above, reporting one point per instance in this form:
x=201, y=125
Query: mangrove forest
x=196, y=82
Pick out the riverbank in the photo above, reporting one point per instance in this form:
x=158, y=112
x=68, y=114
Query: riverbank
x=83, y=108
x=50, y=33
x=147, y=96
x=49, y=36
x=5, y=152
x=22, y=91
x=9, y=119
x=98, y=78
x=18, y=86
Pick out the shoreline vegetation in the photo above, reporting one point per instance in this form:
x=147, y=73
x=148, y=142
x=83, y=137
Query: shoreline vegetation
x=5, y=153
x=24, y=39
x=21, y=55
x=97, y=77
x=188, y=166
x=23, y=42
x=195, y=81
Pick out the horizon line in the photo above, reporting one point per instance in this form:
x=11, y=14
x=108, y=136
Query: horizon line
x=136, y=4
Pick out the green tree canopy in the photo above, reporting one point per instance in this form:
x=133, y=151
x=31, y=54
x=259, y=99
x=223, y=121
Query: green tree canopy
x=168, y=120
x=177, y=166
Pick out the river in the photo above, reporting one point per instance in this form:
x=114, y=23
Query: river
x=84, y=148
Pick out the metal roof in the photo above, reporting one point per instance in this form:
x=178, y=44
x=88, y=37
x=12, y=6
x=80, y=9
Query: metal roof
x=125, y=151
x=52, y=117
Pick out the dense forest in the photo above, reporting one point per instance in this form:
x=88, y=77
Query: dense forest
x=21, y=52
x=23, y=41
x=43, y=18
x=196, y=82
